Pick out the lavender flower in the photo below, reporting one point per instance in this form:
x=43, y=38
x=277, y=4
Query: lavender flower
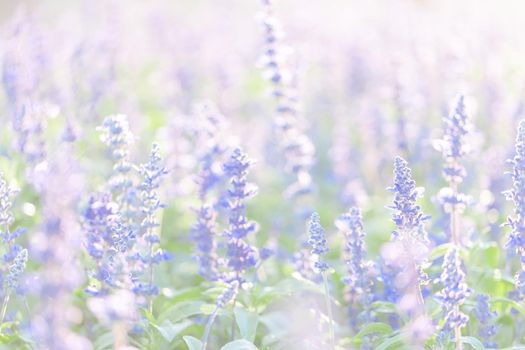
x=203, y=233
x=409, y=246
x=454, y=292
x=317, y=241
x=407, y=215
x=16, y=270
x=14, y=256
x=297, y=148
x=241, y=255
x=454, y=145
x=358, y=280
x=486, y=318
x=212, y=148
x=117, y=136
x=516, y=240
x=148, y=254
x=57, y=245
x=107, y=239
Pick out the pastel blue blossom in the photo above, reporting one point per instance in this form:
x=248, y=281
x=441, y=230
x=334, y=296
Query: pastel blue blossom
x=146, y=253
x=516, y=240
x=454, y=145
x=358, y=281
x=16, y=270
x=407, y=215
x=107, y=239
x=455, y=291
x=297, y=148
x=240, y=255
x=13, y=253
x=317, y=240
x=487, y=321
x=203, y=233
x=118, y=137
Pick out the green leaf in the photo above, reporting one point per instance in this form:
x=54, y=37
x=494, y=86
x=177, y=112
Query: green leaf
x=439, y=251
x=510, y=302
x=474, y=342
x=376, y=327
x=192, y=342
x=247, y=322
x=241, y=344
x=384, y=307
x=104, y=342
x=170, y=330
x=391, y=343
x=182, y=310
x=491, y=255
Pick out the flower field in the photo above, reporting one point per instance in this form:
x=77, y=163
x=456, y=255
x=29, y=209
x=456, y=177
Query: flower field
x=271, y=175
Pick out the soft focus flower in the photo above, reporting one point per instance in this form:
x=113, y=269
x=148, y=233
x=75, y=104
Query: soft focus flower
x=317, y=240
x=487, y=318
x=454, y=145
x=454, y=292
x=146, y=253
x=358, y=279
x=240, y=254
x=296, y=146
x=408, y=248
x=516, y=240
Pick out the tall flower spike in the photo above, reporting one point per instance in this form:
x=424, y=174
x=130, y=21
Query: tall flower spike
x=487, y=319
x=297, y=148
x=118, y=137
x=407, y=215
x=210, y=135
x=240, y=255
x=454, y=147
x=107, y=239
x=454, y=292
x=358, y=280
x=317, y=241
x=409, y=246
x=13, y=254
x=516, y=240
x=147, y=253
x=203, y=233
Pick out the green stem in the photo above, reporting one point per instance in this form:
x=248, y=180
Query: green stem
x=457, y=333
x=329, y=310
x=4, y=308
x=207, y=329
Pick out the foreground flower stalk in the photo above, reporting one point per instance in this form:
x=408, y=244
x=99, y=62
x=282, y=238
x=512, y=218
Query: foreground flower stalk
x=454, y=147
x=317, y=241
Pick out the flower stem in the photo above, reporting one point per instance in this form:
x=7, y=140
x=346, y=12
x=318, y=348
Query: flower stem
x=207, y=329
x=4, y=308
x=457, y=333
x=329, y=310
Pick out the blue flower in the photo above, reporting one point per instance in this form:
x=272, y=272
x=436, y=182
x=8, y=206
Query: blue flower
x=14, y=256
x=317, y=240
x=203, y=233
x=357, y=280
x=240, y=255
x=107, y=239
x=146, y=253
x=118, y=137
x=454, y=145
x=297, y=148
x=407, y=215
x=454, y=292
x=516, y=240
x=487, y=319
x=16, y=270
